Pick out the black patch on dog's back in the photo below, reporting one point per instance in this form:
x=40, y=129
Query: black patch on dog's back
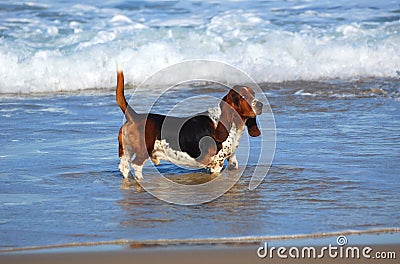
x=186, y=134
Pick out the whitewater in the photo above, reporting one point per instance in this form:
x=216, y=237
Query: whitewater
x=52, y=46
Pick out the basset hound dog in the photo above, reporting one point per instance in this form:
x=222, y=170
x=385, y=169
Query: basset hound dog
x=204, y=140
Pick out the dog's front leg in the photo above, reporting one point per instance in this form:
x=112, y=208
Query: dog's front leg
x=232, y=162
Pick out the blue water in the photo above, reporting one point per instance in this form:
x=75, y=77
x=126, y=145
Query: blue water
x=329, y=70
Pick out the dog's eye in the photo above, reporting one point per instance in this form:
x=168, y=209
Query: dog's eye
x=235, y=99
x=242, y=97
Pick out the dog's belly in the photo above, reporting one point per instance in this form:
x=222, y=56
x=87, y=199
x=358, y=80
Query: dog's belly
x=162, y=151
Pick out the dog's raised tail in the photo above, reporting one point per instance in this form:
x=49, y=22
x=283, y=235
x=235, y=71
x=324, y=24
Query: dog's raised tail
x=120, y=95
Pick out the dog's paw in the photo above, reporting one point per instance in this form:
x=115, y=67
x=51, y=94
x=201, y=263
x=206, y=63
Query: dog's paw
x=138, y=172
x=124, y=169
x=233, y=166
x=138, y=177
x=233, y=163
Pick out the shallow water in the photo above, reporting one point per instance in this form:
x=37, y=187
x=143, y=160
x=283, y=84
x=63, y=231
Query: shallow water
x=330, y=70
x=336, y=168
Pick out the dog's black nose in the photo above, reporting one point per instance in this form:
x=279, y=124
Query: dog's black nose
x=259, y=105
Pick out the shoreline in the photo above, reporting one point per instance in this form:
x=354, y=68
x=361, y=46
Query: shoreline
x=388, y=236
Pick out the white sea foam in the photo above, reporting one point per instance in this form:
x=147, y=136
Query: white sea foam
x=62, y=55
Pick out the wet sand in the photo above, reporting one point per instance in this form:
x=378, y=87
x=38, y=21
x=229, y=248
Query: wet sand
x=182, y=254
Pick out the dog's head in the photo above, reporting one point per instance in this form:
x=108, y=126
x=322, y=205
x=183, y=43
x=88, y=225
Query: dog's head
x=239, y=106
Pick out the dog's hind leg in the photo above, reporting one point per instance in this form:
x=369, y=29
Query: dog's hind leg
x=137, y=165
x=124, y=156
x=124, y=166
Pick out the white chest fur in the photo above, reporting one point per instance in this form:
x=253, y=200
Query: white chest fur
x=228, y=149
x=229, y=146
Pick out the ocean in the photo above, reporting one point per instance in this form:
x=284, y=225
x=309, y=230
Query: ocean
x=330, y=71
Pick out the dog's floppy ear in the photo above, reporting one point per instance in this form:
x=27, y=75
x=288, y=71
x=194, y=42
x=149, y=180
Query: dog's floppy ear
x=252, y=127
x=229, y=116
x=221, y=132
x=224, y=125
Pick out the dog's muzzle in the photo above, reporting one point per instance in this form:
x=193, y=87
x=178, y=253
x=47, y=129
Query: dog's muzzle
x=257, y=107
